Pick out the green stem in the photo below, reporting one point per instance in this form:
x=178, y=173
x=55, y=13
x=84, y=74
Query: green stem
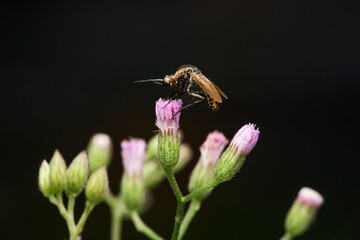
x=116, y=226
x=204, y=188
x=175, y=187
x=180, y=202
x=286, y=236
x=88, y=208
x=117, y=211
x=178, y=219
x=190, y=214
x=143, y=228
x=69, y=221
x=70, y=208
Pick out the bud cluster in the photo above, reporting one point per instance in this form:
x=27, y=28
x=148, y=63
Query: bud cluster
x=54, y=178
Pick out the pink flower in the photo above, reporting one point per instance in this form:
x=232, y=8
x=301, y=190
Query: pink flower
x=133, y=154
x=245, y=139
x=212, y=148
x=310, y=197
x=166, y=120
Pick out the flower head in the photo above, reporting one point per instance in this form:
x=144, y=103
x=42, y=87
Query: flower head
x=245, y=139
x=212, y=148
x=166, y=120
x=310, y=197
x=204, y=170
x=133, y=154
x=303, y=212
x=240, y=146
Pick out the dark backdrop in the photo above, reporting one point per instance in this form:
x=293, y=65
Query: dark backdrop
x=291, y=67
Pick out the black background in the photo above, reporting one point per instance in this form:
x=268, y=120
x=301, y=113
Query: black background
x=291, y=67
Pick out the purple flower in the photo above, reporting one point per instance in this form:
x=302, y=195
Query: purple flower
x=212, y=148
x=133, y=154
x=310, y=197
x=245, y=139
x=166, y=120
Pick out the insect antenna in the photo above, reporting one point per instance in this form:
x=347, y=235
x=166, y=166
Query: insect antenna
x=158, y=81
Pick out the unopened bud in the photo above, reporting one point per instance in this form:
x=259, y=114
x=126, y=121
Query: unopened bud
x=203, y=172
x=152, y=174
x=57, y=172
x=234, y=156
x=303, y=212
x=97, y=186
x=77, y=174
x=44, y=179
x=151, y=149
x=99, y=151
x=132, y=185
x=185, y=155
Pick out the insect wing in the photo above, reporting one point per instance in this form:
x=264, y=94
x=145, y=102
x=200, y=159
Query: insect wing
x=221, y=92
x=206, y=85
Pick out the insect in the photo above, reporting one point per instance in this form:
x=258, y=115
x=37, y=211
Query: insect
x=189, y=79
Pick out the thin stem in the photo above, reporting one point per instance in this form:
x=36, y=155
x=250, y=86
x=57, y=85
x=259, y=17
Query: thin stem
x=71, y=205
x=204, y=188
x=117, y=208
x=143, y=228
x=69, y=221
x=190, y=214
x=88, y=208
x=116, y=226
x=175, y=187
x=180, y=202
x=178, y=219
x=286, y=236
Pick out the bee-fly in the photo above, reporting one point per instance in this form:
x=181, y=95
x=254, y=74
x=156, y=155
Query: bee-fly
x=189, y=79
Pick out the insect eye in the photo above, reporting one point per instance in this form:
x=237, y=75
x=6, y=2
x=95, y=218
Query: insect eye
x=167, y=80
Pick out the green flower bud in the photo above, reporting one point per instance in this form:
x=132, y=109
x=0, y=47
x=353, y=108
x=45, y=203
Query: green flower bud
x=99, y=151
x=97, y=186
x=44, y=179
x=185, y=155
x=77, y=174
x=152, y=174
x=234, y=156
x=151, y=150
x=303, y=212
x=57, y=172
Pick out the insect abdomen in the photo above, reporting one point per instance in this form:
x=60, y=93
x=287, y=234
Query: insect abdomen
x=214, y=105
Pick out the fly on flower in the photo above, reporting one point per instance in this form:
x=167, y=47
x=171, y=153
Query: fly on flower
x=189, y=79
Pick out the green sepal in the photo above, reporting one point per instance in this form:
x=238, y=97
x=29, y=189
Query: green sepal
x=228, y=165
x=299, y=218
x=132, y=191
x=168, y=150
